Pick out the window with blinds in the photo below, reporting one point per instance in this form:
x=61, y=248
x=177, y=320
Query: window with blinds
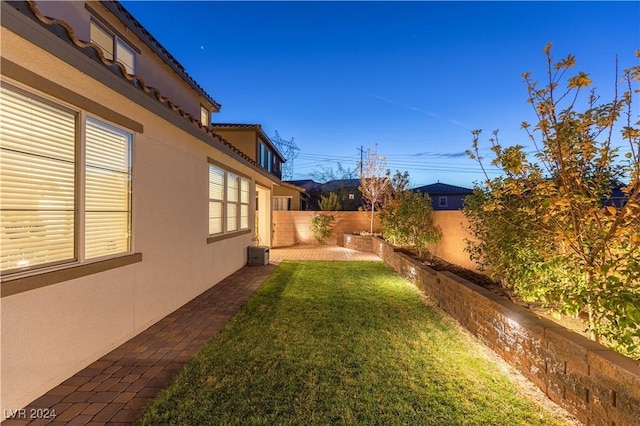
x=216, y=199
x=232, y=202
x=228, y=201
x=113, y=47
x=244, y=203
x=204, y=116
x=103, y=39
x=43, y=220
x=37, y=181
x=107, y=189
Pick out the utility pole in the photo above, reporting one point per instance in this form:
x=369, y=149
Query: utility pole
x=361, y=149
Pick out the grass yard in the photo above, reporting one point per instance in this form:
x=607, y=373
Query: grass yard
x=342, y=343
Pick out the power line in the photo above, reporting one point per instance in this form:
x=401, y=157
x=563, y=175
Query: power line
x=290, y=151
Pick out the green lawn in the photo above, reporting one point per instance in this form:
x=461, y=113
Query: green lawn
x=341, y=343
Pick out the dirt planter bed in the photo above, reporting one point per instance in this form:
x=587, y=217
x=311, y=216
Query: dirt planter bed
x=594, y=383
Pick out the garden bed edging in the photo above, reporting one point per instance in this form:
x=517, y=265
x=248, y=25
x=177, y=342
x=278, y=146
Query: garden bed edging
x=594, y=383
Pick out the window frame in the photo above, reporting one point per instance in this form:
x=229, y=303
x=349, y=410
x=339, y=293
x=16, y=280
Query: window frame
x=237, y=203
x=205, y=113
x=443, y=201
x=117, y=44
x=78, y=228
x=278, y=200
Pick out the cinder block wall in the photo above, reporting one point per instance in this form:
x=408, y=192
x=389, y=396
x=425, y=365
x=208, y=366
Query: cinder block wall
x=294, y=227
x=597, y=385
x=451, y=247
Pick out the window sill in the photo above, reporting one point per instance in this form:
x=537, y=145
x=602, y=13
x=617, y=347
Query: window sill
x=18, y=285
x=215, y=238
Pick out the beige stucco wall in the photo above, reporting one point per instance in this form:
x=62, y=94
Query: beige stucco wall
x=287, y=191
x=294, y=227
x=156, y=72
x=291, y=227
x=454, y=235
x=50, y=333
x=244, y=140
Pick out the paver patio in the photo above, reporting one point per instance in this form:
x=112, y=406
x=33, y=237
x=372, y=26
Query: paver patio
x=116, y=388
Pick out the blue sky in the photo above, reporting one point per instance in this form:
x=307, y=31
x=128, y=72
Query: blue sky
x=412, y=77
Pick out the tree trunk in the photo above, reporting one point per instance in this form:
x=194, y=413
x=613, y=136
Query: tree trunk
x=372, y=212
x=593, y=332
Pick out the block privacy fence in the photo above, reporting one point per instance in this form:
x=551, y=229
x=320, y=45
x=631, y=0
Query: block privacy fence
x=595, y=384
x=294, y=227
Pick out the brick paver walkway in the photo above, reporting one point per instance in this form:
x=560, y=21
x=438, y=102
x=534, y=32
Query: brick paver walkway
x=309, y=252
x=117, y=388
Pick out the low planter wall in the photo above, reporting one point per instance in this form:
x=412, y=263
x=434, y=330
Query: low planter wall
x=358, y=242
x=596, y=384
x=294, y=227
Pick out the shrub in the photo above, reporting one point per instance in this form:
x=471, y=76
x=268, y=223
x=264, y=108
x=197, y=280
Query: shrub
x=548, y=226
x=330, y=202
x=407, y=220
x=321, y=226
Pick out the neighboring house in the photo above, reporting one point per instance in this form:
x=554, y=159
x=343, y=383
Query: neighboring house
x=347, y=190
x=306, y=184
x=349, y=195
x=444, y=196
x=251, y=139
x=289, y=197
x=617, y=198
x=119, y=202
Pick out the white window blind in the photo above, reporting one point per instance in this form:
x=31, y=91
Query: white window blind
x=43, y=220
x=107, y=190
x=281, y=203
x=244, y=203
x=216, y=199
x=232, y=200
x=103, y=39
x=232, y=187
x=232, y=216
x=37, y=181
x=108, y=42
x=126, y=56
x=228, y=201
x=204, y=116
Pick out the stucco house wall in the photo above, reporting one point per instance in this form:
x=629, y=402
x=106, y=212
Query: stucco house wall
x=288, y=191
x=54, y=324
x=156, y=73
x=245, y=140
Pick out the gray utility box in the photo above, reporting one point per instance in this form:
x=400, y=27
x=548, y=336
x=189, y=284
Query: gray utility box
x=258, y=256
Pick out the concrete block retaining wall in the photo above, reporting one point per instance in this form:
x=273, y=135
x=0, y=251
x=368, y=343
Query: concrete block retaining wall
x=597, y=385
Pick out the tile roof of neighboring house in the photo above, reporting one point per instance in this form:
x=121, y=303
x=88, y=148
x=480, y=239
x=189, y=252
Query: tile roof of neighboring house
x=307, y=184
x=256, y=127
x=300, y=182
x=443, y=189
x=118, y=10
x=336, y=184
x=95, y=52
x=296, y=187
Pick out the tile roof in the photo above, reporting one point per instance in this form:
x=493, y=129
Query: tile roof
x=119, y=10
x=238, y=125
x=442, y=189
x=256, y=127
x=336, y=184
x=94, y=52
x=307, y=184
x=290, y=185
